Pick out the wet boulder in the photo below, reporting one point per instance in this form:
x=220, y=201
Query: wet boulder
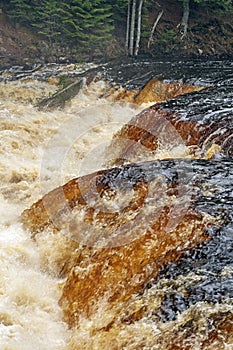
x=153, y=91
x=157, y=91
x=127, y=222
x=160, y=129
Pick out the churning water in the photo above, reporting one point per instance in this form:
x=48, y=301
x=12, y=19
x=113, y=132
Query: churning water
x=190, y=302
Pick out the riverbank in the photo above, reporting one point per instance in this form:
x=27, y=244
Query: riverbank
x=209, y=34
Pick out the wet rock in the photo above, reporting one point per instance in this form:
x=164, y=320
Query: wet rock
x=153, y=91
x=214, y=333
x=158, y=91
x=205, y=327
x=158, y=128
x=105, y=185
x=128, y=222
x=116, y=273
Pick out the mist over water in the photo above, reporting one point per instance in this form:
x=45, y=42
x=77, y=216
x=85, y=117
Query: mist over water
x=41, y=150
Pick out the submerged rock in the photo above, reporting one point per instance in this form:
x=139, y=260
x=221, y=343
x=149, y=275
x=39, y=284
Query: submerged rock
x=115, y=273
x=122, y=225
x=204, y=327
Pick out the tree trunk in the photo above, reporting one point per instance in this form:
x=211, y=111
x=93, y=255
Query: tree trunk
x=185, y=18
x=153, y=28
x=127, y=29
x=60, y=97
x=139, y=28
x=132, y=28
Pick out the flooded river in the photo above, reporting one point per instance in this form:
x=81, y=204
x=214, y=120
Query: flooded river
x=187, y=302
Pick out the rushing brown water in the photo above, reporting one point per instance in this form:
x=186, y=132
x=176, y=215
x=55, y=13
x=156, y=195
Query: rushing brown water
x=58, y=277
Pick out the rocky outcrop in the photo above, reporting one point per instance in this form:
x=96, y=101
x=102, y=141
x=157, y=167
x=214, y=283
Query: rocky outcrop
x=124, y=224
x=113, y=274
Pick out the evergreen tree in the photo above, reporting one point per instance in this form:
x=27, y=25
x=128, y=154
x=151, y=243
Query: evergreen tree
x=21, y=11
x=47, y=19
x=88, y=23
x=119, y=10
x=217, y=5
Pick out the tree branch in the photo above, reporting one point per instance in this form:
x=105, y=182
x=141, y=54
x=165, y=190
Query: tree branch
x=153, y=28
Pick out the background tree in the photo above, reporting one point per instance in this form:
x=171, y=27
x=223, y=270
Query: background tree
x=88, y=25
x=134, y=25
x=49, y=23
x=185, y=18
x=21, y=11
x=153, y=28
x=218, y=6
x=79, y=22
x=138, y=28
x=127, y=28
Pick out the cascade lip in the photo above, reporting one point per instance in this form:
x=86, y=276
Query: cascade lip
x=192, y=174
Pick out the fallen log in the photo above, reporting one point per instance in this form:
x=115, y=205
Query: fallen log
x=60, y=97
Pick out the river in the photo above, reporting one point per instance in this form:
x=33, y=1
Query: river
x=188, y=305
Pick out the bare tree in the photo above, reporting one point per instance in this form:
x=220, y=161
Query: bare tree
x=185, y=18
x=132, y=28
x=127, y=29
x=153, y=28
x=139, y=28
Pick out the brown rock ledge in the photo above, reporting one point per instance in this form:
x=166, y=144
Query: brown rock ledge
x=127, y=223
x=158, y=128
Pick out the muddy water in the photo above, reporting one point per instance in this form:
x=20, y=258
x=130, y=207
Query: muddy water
x=41, y=150
x=30, y=140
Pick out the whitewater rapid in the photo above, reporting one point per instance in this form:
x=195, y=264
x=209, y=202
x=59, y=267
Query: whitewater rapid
x=30, y=317
x=39, y=151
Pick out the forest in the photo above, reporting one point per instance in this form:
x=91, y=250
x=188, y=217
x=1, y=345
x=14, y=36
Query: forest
x=121, y=26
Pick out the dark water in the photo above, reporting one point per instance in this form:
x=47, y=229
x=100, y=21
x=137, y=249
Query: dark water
x=211, y=106
x=209, y=259
x=210, y=184
x=198, y=72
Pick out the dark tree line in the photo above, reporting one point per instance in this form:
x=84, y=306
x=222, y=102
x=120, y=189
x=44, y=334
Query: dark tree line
x=83, y=22
x=90, y=23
